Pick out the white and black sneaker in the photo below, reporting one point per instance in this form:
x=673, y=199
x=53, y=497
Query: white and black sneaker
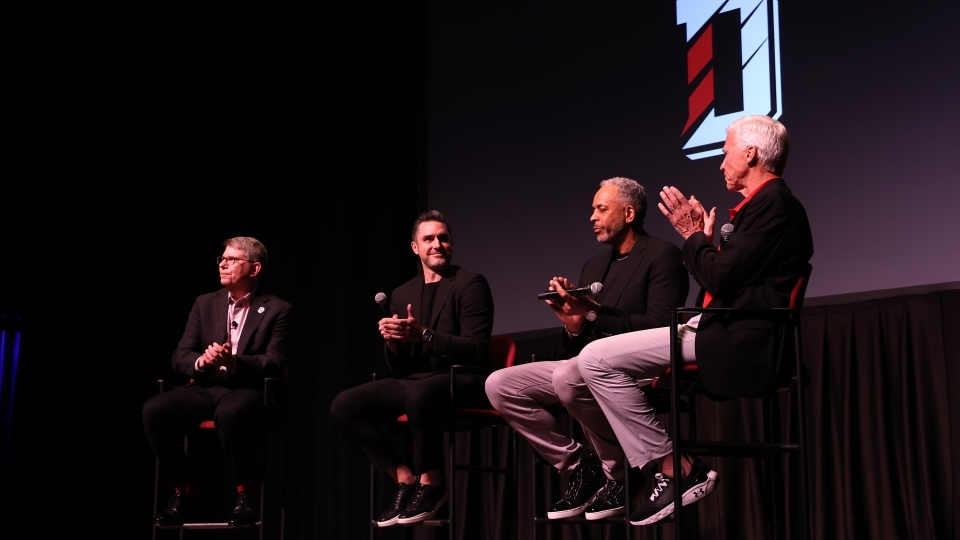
x=582, y=486
x=610, y=501
x=696, y=485
x=424, y=503
x=400, y=499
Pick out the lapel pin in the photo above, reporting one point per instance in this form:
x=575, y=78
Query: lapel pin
x=261, y=310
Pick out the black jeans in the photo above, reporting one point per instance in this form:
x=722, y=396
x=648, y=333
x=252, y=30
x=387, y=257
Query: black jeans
x=362, y=412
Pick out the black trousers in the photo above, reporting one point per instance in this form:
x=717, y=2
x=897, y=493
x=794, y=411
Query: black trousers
x=239, y=418
x=362, y=412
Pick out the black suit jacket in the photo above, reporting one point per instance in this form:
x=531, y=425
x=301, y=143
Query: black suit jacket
x=461, y=318
x=263, y=347
x=658, y=283
x=769, y=249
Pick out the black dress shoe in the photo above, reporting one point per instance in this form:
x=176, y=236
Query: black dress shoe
x=177, y=510
x=245, y=512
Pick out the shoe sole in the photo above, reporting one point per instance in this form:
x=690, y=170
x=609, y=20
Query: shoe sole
x=423, y=516
x=387, y=523
x=604, y=513
x=693, y=494
x=573, y=511
x=568, y=513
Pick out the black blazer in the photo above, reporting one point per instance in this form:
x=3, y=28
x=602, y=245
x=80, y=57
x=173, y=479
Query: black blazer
x=658, y=283
x=769, y=249
x=462, y=321
x=264, y=341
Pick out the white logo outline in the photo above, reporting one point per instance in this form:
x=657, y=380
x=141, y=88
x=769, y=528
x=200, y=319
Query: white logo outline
x=705, y=131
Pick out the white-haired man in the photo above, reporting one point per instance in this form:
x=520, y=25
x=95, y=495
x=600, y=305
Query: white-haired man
x=755, y=268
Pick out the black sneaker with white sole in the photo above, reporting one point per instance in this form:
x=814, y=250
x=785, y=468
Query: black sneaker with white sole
x=610, y=501
x=424, y=503
x=582, y=485
x=696, y=485
x=400, y=499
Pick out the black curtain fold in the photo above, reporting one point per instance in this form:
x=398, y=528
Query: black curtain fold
x=881, y=431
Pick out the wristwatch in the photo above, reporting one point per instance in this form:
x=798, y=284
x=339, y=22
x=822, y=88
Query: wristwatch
x=591, y=315
x=427, y=335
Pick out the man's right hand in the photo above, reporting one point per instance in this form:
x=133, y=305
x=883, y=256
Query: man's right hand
x=214, y=355
x=392, y=343
x=709, y=218
x=570, y=309
x=397, y=330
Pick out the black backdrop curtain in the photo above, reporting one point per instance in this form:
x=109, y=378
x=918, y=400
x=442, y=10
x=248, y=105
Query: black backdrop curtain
x=884, y=416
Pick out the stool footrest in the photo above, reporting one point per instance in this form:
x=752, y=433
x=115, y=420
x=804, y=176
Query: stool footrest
x=212, y=525
x=722, y=448
x=500, y=470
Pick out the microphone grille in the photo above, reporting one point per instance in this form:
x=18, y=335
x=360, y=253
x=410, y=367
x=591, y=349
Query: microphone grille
x=595, y=287
x=380, y=298
x=726, y=230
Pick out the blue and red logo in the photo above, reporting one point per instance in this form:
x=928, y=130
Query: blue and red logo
x=733, y=67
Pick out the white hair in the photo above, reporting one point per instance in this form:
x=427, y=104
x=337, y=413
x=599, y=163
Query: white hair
x=767, y=135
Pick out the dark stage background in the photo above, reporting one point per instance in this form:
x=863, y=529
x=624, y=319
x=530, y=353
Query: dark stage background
x=531, y=105
x=140, y=137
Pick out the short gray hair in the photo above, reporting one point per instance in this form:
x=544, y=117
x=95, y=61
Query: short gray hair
x=253, y=248
x=630, y=192
x=767, y=135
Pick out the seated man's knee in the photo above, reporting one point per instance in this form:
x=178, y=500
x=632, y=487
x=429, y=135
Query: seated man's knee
x=340, y=408
x=494, y=386
x=567, y=381
x=151, y=412
x=589, y=364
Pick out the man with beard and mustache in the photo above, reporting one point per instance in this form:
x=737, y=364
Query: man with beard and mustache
x=642, y=281
x=442, y=317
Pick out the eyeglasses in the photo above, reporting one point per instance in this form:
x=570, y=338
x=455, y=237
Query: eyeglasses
x=231, y=261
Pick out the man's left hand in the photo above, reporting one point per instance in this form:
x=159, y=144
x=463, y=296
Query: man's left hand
x=227, y=359
x=686, y=216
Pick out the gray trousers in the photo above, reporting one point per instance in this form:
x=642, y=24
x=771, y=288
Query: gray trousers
x=524, y=394
x=616, y=368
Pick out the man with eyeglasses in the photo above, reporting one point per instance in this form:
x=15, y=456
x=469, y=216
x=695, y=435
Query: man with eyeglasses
x=234, y=339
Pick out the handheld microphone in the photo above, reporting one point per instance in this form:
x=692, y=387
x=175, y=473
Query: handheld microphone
x=725, y=233
x=381, y=300
x=579, y=291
